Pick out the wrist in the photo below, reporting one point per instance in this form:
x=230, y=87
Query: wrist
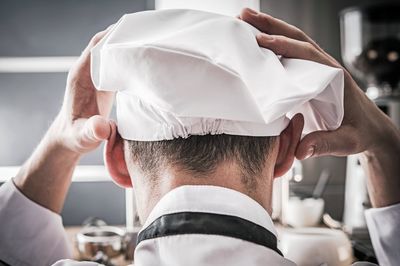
x=383, y=169
x=46, y=176
x=386, y=143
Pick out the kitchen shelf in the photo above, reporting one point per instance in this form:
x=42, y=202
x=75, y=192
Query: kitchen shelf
x=82, y=173
x=47, y=64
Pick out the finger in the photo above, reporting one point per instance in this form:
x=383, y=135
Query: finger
x=96, y=39
x=289, y=139
x=95, y=130
x=297, y=125
x=100, y=35
x=105, y=101
x=274, y=26
x=340, y=142
x=83, y=61
x=84, y=58
x=270, y=25
x=292, y=48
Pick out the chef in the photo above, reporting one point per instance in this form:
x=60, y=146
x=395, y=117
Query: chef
x=208, y=116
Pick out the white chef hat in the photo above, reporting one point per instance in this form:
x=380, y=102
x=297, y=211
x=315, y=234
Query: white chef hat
x=184, y=72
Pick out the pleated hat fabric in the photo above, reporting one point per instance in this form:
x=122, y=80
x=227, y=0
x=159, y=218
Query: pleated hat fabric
x=185, y=72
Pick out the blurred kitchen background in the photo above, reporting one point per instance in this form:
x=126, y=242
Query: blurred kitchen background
x=29, y=101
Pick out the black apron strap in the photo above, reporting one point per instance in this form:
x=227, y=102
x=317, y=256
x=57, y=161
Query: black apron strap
x=2, y=263
x=209, y=224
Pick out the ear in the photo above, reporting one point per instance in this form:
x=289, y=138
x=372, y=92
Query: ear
x=288, y=141
x=114, y=159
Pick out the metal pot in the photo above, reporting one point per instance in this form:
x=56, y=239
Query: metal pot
x=100, y=243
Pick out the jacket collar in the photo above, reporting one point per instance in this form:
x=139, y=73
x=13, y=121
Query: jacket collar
x=211, y=199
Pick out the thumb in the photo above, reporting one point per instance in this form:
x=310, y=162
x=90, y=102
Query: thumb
x=340, y=142
x=95, y=129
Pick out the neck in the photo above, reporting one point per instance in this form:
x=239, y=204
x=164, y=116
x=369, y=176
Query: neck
x=227, y=175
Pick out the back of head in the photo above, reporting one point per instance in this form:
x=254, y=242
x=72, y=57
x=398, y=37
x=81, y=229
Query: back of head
x=200, y=156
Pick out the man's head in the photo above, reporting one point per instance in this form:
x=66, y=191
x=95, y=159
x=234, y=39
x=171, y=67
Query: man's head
x=244, y=163
x=193, y=73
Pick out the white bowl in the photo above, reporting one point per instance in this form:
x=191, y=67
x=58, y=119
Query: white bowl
x=304, y=213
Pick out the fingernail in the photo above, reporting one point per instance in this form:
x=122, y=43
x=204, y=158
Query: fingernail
x=252, y=11
x=310, y=152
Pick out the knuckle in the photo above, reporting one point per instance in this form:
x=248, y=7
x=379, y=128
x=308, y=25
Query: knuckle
x=353, y=144
x=311, y=49
x=266, y=20
x=281, y=43
x=313, y=53
x=322, y=148
x=281, y=39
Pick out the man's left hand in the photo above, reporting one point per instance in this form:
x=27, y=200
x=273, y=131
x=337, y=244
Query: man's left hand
x=80, y=127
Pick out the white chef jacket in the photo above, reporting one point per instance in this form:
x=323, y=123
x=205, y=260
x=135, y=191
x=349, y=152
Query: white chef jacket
x=33, y=235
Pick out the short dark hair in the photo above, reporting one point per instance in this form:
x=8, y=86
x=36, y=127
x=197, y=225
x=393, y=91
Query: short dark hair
x=202, y=154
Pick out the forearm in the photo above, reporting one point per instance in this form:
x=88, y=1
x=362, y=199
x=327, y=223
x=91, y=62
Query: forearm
x=46, y=176
x=383, y=169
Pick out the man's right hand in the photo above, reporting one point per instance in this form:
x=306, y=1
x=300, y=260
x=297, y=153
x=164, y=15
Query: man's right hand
x=80, y=127
x=364, y=128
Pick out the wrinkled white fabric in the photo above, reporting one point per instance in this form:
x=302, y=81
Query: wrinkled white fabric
x=184, y=72
x=30, y=235
x=385, y=236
